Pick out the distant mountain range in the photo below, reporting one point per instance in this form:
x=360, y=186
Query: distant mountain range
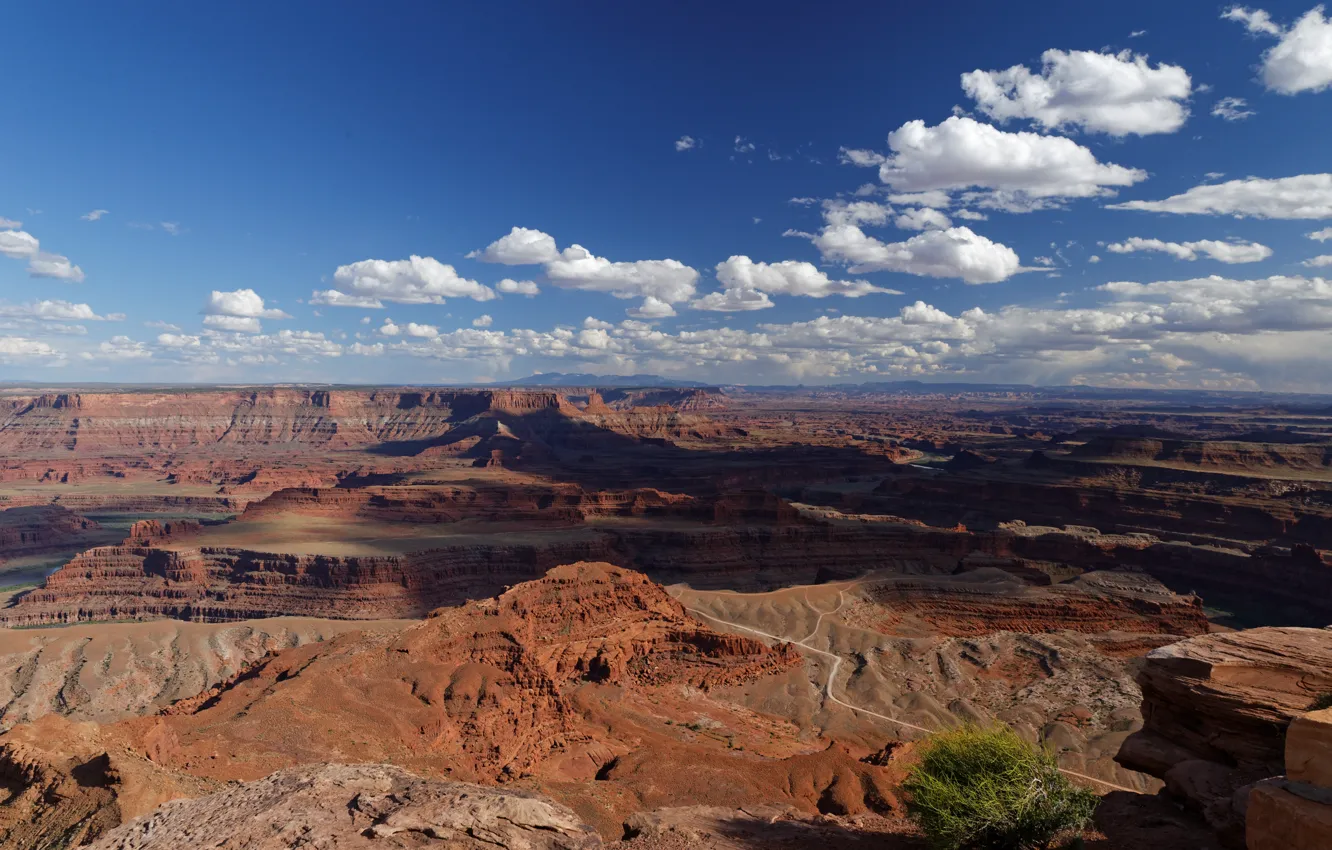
x=585, y=379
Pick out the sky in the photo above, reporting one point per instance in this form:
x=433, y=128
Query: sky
x=1129, y=194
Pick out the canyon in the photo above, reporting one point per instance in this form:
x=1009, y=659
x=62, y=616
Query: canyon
x=663, y=609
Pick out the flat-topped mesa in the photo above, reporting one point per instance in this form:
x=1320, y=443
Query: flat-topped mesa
x=560, y=504
x=989, y=600
x=1215, y=713
x=25, y=530
x=88, y=423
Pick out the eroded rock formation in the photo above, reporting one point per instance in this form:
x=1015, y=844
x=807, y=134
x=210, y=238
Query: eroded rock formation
x=1216, y=709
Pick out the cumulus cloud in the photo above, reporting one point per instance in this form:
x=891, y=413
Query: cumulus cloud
x=789, y=277
x=334, y=298
x=651, y=308
x=418, y=280
x=1013, y=171
x=9, y=223
x=242, y=324
x=243, y=303
x=119, y=348
x=54, y=266
x=48, y=310
x=18, y=245
x=1301, y=60
x=1225, y=252
x=483, y=321
x=1115, y=93
x=95, y=215
x=1322, y=261
x=1321, y=235
x=669, y=281
x=923, y=218
x=1301, y=196
x=520, y=247
x=734, y=300
x=838, y=211
x=1232, y=109
x=956, y=252
x=686, y=143
x=17, y=346
x=509, y=286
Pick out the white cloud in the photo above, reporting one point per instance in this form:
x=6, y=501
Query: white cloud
x=861, y=158
x=969, y=215
x=119, y=348
x=243, y=303
x=1232, y=109
x=54, y=266
x=49, y=310
x=651, y=308
x=421, y=331
x=94, y=215
x=1302, y=58
x=922, y=219
x=509, y=286
x=418, y=280
x=1226, y=252
x=955, y=252
x=1254, y=20
x=736, y=300
x=389, y=328
x=837, y=211
x=1015, y=171
x=17, y=346
x=1320, y=262
x=240, y=324
x=166, y=326
x=1301, y=196
x=334, y=298
x=1321, y=235
x=669, y=281
x=9, y=223
x=483, y=321
x=171, y=227
x=743, y=146
x=174, y=340
x=18, y=245
x=789, y=277
x=521, y=246
x=932, y=198
x=686, y=143
x=1114, y=93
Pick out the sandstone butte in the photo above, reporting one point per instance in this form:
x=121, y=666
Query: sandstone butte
x=546, y=686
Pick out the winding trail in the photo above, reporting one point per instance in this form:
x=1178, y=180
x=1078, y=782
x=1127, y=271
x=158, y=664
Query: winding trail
x=837, y=664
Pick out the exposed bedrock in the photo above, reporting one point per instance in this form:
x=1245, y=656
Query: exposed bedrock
x=148, y=580
x=1216, y=709
x=32, y=530
x=356, y=806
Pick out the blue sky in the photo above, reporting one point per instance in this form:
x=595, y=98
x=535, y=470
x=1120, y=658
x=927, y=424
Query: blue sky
x=193, y=193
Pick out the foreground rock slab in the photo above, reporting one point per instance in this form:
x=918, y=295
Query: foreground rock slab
x=351, y=806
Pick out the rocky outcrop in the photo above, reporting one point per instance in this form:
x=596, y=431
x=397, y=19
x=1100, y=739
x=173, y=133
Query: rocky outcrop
x=41, y=528
x=111, y=671
x=987, y=601
x=1220, y=455
x=356, y=806
x=1216, y=709
x=567, y=504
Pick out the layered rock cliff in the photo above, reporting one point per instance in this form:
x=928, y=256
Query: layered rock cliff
x=1215, y=712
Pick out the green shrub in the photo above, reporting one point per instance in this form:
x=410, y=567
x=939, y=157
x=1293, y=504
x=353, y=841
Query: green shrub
x=1320, y=702
x=987, y=789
